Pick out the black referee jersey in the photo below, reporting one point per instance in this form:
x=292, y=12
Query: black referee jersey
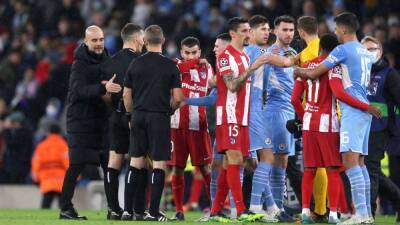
x=118, y=64
x=118, y=122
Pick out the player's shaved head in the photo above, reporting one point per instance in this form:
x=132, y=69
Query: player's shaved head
x=94, y=39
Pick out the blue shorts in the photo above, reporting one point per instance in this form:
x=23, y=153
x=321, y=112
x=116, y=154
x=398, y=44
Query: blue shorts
x=216, y=155
x=278, y=137
x=354, y=130
x=257, y=131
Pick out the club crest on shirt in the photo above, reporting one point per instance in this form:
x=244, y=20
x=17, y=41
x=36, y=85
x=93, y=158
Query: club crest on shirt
x=337, y=70
x=268, y=141
x=203, y=74
x=282, y=146
x=223, y=62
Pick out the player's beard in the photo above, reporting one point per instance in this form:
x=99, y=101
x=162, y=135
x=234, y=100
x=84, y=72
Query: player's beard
x=286, y=41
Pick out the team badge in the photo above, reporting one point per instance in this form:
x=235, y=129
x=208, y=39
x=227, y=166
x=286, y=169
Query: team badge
x=282, y=146
x=223, y=62
x=203, y=75
x=337, y=70
x=268, y=141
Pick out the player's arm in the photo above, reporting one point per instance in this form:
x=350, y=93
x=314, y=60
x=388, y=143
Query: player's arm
x=296, y=99
x=175, y=85
x=127, y=93
x=208, y=100
x=127, y=96
x=337, y=56
x=233, y=84
x=282, y=61
x=308, y=73
x=335, y=83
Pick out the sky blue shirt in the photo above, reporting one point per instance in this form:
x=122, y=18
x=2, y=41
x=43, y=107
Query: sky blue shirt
x=280, y=84
x=356, y=62
x=257, y=78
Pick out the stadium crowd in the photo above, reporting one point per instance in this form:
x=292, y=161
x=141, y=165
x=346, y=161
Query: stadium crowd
x=38, y=39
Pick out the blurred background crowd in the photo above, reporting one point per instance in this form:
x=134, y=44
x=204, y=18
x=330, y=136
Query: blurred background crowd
x=38, y=37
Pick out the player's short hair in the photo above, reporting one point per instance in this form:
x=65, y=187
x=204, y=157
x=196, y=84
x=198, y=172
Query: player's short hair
x=257, y=20
x=328, y=42
x=224, y=37
x=284, y=18
x=349, y=20
x=308, y=23
x=373, y=40
x=129, y=30
x=154, y=35
x=190, y=42
x=234, y=23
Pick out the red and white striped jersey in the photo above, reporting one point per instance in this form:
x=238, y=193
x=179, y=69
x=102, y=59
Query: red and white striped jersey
x=320, y=112
x=194, y=77
x=232, y=107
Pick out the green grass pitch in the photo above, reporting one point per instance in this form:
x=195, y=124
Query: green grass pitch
x=44, y=217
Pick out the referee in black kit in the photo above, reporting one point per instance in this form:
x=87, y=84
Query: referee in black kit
x=149, y=82
x=117, y=65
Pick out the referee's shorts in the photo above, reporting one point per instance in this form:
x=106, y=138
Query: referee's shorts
x=150, y=135
x=119, y=132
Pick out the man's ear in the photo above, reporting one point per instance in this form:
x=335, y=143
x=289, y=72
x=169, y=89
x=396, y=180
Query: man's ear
x=163, y=40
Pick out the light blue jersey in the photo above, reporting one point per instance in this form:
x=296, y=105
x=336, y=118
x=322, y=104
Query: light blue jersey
x=280, y=84
x=257, y=81
x=356, y=63
x=278, y=107
x=256, y=119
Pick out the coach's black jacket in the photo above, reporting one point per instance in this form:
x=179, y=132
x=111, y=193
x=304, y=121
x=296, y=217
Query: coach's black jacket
x=86, y=111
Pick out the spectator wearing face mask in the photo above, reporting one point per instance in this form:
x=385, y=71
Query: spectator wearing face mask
x=383, y=92
x=51, y=117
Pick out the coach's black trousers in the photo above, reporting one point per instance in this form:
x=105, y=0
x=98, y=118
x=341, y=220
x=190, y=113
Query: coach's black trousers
x=70, y=180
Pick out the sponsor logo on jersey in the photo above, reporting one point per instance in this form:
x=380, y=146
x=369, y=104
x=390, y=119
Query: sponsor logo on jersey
x=194, y=87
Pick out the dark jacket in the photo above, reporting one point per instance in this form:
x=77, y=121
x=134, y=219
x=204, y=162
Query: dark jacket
x=388, y=92
x=86, y=112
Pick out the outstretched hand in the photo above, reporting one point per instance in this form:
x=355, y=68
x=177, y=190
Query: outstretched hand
x=112, y=87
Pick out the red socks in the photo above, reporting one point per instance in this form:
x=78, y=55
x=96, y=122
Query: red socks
x=233, y=176
x=222, y=192
x=334, y=182
x=178, y=188
x=195, y=191
x=307, y=186
x=342, y=198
